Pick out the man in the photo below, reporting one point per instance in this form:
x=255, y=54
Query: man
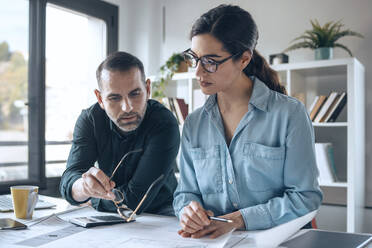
x=123, y=120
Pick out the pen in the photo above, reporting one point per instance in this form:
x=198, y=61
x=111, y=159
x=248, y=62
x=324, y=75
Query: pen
x=220, y=219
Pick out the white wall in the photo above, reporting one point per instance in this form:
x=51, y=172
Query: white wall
x=140, y=26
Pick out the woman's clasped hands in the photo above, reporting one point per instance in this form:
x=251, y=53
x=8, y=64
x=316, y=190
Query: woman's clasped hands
x=195, y=222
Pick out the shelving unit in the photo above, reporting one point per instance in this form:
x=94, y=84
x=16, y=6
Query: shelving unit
x=183, y=85
x=347, y=134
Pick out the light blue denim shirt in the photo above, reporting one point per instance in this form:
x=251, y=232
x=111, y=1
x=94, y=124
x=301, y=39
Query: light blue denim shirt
x=268, y=172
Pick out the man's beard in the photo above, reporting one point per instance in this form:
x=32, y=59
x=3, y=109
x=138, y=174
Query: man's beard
x=132, y=125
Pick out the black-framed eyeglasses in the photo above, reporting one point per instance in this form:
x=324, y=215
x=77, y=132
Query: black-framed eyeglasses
x=123, y=210
x=210, y=65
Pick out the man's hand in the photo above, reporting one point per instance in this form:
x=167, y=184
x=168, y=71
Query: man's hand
x=93, y=183
x=217, y=228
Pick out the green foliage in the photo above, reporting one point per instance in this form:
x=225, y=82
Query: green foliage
x=323, y=36
x=4, y=51
x=166, y=73
x=13, y=87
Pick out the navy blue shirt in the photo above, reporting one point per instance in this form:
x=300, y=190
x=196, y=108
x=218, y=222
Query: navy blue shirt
x=97, y=139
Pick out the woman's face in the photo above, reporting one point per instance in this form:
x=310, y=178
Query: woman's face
x=227, y=73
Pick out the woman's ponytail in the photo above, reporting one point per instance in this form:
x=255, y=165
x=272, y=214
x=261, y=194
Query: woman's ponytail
x=260, y=68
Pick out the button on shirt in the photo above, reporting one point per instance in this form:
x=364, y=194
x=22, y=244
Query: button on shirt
x=268, y=172
x=97, y=139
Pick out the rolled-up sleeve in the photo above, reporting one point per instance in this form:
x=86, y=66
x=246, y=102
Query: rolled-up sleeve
x=302, y=193
x=83, y=155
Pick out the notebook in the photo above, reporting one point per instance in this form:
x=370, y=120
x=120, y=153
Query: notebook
x=91, y=221
x=6, y=204
x=326, y=239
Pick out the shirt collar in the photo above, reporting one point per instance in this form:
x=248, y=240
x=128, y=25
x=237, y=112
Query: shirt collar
x=260, y=95
x=120, y=134
x=259, y=98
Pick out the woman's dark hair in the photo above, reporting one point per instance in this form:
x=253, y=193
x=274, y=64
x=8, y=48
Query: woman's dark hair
x=236, y=30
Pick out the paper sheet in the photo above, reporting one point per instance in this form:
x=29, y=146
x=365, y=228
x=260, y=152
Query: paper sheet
x=273, y=237
x=146, y=231
x=51, y=224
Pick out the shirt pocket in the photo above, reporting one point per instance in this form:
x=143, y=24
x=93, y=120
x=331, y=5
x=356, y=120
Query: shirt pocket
x=263, y=167
x=208, y=170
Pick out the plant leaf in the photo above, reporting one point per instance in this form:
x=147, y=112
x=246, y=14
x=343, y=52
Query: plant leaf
x=323, y=36
x=343, y=47
x=346, y=33
x=304, y=44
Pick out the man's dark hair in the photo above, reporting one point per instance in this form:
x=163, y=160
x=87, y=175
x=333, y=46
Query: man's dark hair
x=120, y=61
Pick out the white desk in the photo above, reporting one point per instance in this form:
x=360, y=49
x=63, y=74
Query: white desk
x=61, y=206
x=146, y=231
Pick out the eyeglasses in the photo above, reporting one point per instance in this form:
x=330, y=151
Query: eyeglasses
x=210, y=65
x=123, y=210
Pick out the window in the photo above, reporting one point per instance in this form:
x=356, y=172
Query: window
x=74, y=49
x=50, y=49
x=13, y=90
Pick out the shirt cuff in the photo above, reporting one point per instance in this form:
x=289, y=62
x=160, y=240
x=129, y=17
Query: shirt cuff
x=178, y=211
x=256, y=217
x=69, y=197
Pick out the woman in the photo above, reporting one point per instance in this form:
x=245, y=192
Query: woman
x=248, y=153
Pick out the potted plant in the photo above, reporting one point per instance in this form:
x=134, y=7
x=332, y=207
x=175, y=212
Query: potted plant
x=323, y=39
x=175, y=63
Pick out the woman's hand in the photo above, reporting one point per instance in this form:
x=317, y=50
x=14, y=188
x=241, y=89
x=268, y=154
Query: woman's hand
x=194, y=218
x=217, y=228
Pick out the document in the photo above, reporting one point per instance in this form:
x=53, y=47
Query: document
x=282, y=232
x=51, y=224
x=147, y=231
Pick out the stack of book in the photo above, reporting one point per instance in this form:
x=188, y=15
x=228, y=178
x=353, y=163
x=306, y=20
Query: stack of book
x=325, y=162
x=178, y=107
x=327, y=108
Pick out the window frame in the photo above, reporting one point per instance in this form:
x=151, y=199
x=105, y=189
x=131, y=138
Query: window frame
x=36, y=82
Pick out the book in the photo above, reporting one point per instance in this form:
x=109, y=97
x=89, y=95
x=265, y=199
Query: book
x=325, y=239
x=340, y=104
x=167, y=102
x=313, y=104
x=325, y=162
x=179, y=114
x=317, y=106
x=332, y=96
x=329, y=110
x=300, y=96
x=173, y=109
x=184, y=107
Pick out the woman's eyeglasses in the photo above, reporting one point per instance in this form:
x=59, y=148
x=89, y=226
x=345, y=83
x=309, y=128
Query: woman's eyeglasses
x=123, y=210
x=210, y=65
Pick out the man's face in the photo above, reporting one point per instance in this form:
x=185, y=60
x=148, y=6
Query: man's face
x=124, y=97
